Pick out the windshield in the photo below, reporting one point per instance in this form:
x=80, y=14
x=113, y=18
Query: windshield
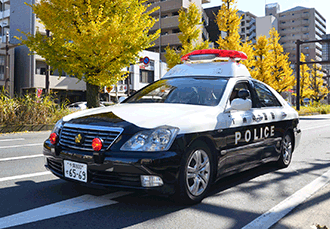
x=188, y=90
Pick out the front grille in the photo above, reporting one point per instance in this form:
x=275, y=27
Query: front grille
x=88, y=133
x=113, y=178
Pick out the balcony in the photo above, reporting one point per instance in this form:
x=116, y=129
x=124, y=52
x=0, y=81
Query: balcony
x=166, y=6
x=252, y=29
x=205, y=33
x=3, y=39
x=205, y=18
x=4, y=22
x=5, y=14
x=252, y=22
x=171, y=39
x=167, y=23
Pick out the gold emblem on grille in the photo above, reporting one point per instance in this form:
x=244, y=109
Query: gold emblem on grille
x=78, y=139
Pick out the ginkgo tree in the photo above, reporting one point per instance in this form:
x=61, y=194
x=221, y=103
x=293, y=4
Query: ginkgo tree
x=261, y=70
x=305, y=91
x=281, y=78
x=228, y=21
x=317, y=87
x=189, y=25
x=92, y=40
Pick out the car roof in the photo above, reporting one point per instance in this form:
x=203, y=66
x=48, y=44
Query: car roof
x=229, y=69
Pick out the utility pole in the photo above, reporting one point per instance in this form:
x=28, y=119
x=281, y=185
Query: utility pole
x=7, y=77
x=298, y=43
x=47, y=70
x=160, y=40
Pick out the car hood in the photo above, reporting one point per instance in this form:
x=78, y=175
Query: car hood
x=188, y=118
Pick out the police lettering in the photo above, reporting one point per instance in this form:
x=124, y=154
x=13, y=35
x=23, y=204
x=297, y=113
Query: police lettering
x=255, y=134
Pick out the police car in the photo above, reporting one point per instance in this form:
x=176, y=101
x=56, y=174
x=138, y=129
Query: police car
x=205, y=119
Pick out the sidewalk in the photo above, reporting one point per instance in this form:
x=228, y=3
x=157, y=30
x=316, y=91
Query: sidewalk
x=315, y=210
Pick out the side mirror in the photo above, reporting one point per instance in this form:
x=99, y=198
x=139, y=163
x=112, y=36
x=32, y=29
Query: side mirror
x=240, y=105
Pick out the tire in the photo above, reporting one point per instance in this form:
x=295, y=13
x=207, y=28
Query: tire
x=286, y=151
x=196, y=174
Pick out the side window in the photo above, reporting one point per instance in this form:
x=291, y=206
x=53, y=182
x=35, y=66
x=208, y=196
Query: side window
x=239, y=86
x=265, y=96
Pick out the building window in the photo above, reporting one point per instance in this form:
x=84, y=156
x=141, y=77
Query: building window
x=306, y=33
x=176, y=31
x=292, y=21
x=175, y=13
x=146, y=76
x=307, y=47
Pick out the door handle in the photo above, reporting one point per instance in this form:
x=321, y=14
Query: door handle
x=257, y=119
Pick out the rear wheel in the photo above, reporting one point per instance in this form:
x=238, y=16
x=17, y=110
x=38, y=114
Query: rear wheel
x=196, y=173
x=286, y=151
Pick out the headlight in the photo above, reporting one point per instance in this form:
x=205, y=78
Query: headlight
x=58, y=126
x=158, y=139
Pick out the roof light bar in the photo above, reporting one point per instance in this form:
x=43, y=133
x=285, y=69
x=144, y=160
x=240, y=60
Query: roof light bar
x=214, y=54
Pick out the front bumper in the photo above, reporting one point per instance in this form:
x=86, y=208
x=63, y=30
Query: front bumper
x=118, y=169
x=297, y=136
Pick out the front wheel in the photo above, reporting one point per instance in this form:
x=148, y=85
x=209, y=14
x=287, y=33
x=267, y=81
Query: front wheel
x=196, y=174
x=286, y=151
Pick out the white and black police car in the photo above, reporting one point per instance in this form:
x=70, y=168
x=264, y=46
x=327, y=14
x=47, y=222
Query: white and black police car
x=203, y=120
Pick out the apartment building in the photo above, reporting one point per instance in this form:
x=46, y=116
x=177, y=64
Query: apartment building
x=169, y=23
x=247, y=27
x=4, y=29
x=299, y=23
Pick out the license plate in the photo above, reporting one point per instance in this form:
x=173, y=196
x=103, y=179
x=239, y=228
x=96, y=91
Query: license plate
x=75, y=171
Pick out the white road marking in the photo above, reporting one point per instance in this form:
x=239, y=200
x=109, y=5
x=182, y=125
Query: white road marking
x=272, y=216
x=70, y=206
x=17, y=146
x=20, y=158
x=24, y=176
x=12, y=139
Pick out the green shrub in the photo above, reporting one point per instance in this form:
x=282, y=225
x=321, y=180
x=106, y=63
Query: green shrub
x=314, y=109
x=30, y=110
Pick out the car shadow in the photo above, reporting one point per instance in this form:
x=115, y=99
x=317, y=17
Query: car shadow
x=140, y=207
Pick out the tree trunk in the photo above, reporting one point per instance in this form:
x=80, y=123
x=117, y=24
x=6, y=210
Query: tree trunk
x=92, y=94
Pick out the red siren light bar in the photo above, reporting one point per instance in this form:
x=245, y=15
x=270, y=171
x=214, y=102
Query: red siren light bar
x=214, y=54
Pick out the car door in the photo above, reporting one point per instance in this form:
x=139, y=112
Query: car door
x=274, y=122
x=240, y=150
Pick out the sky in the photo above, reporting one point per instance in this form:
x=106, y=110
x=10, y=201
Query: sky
x=257, y=7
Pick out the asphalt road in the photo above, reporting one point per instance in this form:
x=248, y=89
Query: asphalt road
x=31, y=197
